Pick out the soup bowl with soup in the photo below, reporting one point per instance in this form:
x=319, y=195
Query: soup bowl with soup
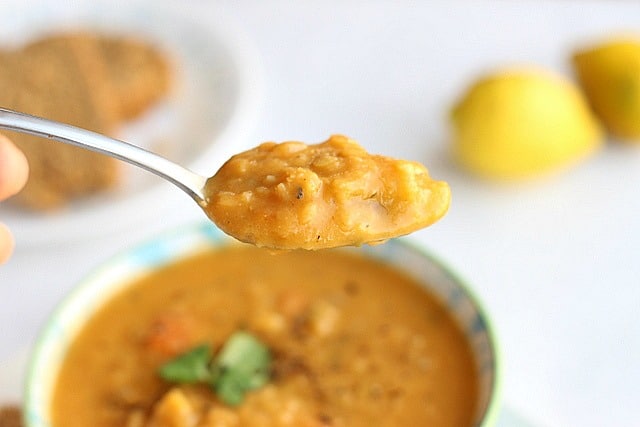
x=193, y=329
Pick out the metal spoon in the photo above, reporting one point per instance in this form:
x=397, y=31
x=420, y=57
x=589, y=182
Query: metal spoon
x=436, y=196
x=188, y=181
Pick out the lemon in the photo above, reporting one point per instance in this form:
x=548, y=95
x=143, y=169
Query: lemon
x=517, y=123
x=610, y=76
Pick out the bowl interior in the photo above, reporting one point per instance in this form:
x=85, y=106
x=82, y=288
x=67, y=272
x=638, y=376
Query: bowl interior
x=97, y=288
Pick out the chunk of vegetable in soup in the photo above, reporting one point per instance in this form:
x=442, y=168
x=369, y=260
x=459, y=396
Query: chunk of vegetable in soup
x=353, y=342
x=292, y=195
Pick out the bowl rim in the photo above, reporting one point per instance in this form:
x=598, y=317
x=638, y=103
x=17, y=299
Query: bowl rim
x=492, y=410
x=194, y=238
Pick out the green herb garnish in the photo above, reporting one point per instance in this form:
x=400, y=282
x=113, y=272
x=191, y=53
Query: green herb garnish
x=242, y=364
x=190, y=367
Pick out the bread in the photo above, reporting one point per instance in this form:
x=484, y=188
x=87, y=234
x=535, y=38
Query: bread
x=58, y=78
x=139, y=73
x=72, y=78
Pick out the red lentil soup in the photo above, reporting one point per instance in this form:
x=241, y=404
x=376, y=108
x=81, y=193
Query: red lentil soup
x=354, y=343
x=297, y=196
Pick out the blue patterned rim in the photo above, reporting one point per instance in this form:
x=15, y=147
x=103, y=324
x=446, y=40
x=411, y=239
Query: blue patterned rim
x=107, y=280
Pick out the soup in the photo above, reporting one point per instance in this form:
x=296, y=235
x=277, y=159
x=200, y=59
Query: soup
x=353, y=343
x=297, y=196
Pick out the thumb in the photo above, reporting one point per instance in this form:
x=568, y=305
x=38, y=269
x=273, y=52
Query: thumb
x=6, y=244
x=13, y=168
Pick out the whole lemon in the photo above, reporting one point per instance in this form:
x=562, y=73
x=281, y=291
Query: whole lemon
x=521, y=122
x=610, y=76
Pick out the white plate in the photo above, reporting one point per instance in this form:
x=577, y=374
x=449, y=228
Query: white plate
x=203, y=122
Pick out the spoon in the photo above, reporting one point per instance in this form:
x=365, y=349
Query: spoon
x=285, y=196
x=185, y=179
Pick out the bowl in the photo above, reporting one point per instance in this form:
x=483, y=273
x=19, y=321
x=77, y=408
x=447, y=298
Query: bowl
x=92, y=292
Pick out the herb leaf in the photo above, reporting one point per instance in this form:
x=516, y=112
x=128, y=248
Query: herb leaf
x=231, y=387
x=190, y=367
x=246, y=357
x=243, y=364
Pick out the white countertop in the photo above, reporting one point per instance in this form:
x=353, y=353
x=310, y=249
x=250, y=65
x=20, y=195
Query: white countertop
x=554, y=260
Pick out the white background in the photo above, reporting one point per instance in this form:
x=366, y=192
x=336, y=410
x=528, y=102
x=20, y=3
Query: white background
x=554, y=260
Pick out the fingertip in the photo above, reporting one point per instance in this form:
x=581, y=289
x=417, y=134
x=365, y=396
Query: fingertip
x=14, y=169
x=6, y=244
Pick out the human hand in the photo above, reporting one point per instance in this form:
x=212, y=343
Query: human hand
x=13, y=175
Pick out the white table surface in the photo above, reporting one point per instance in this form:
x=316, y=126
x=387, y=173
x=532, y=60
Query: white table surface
x=554, y=260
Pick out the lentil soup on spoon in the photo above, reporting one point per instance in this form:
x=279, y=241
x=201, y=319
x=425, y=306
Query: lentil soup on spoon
x=292, y=195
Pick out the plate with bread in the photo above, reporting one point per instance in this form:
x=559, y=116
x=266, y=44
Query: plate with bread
x=183, y=86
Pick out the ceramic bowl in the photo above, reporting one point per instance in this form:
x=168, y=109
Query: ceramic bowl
x=110, y=278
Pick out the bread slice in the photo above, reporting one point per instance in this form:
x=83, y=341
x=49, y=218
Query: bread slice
x=63, y=79
x=86, y=79
x=140, y=74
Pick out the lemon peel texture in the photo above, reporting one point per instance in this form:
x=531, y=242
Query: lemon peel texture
x=518, y=123
x=610, y=76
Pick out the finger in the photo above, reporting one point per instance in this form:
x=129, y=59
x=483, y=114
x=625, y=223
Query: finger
x=6, y=244
x=13, y=168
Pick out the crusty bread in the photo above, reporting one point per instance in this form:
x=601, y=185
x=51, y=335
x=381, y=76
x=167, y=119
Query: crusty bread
x=68, y=77
x=139, y=73
x=58, y=78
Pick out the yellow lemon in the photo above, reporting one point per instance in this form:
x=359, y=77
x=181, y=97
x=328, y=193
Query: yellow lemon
x=610, y=76
x=521, y=122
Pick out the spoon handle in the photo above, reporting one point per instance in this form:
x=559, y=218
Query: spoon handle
x=188, y=181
